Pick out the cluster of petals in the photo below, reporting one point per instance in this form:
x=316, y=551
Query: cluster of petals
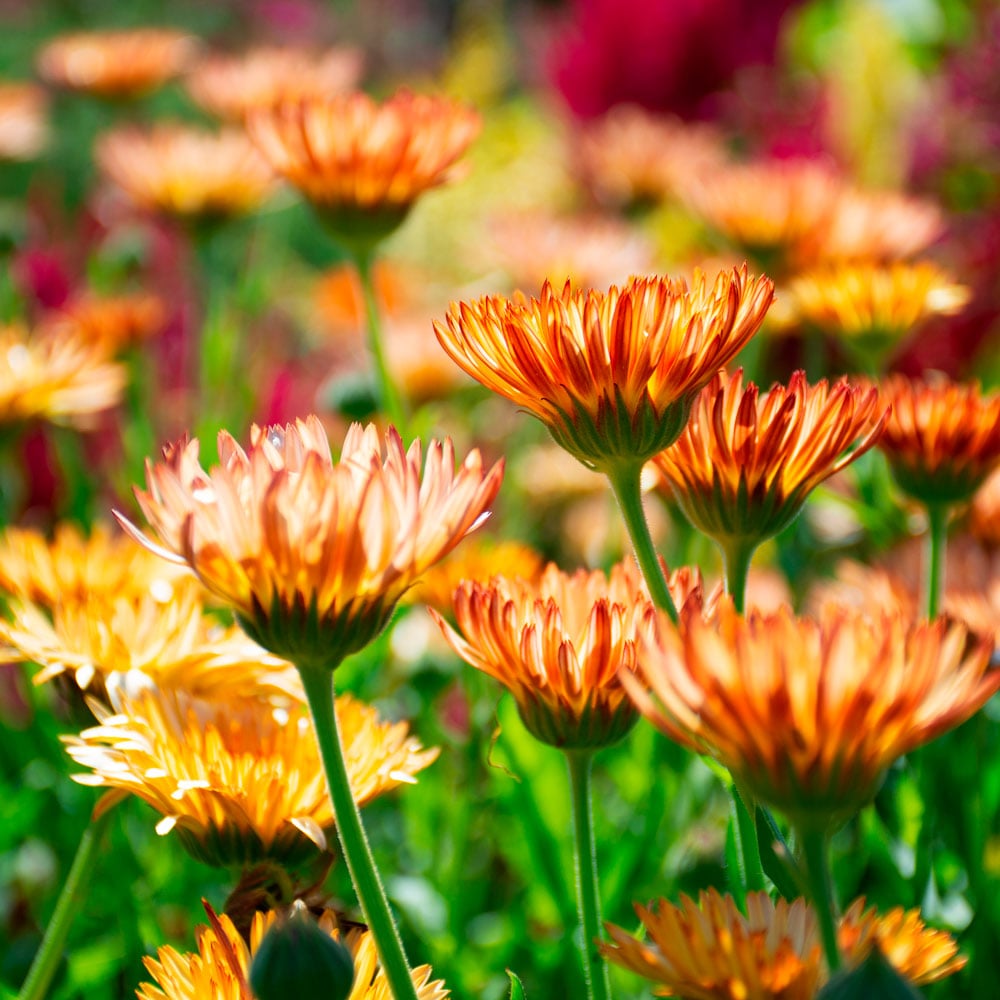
x=111, y=323
x=24, y=127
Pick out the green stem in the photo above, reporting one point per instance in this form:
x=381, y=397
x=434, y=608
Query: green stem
x=626, y=483
x=937, y=540
x=814, y=851
x=747, y=846
x=736, y=558
x=390, y=401
x=318, y=685
x=74, y=892
x=595, y=969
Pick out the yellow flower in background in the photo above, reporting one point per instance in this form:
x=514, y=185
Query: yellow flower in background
x=24, y=126
x=187, y=172
x=807, y=714
x=59, y=377
x=942, y=438
x=116, y=64
x=220, y=968
x=239, y=779
x=313, y=555
x=611, y=374
x=112, y=323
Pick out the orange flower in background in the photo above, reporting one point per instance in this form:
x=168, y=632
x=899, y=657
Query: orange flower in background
x=744, y=464
x=231, y=86
x=220, y=969
x=559, y=645
x=239, y=779
x=24, y=127
x=313, y=555
x=942, y=438
x=116, y=64
x=611, y=374
x=187, y=172
x=984, y=514
x=807, y=714
x=114, y=324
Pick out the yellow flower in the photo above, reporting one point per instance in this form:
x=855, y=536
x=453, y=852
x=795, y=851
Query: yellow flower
x=58, y=377
x=186, y=172
x=239, y=779
x=612, y=375
x=559, y=646
x=220, y=969
x=24, y=128
x=116, y=64
x=942, y=438
x=744, y=465
x=113, y=324
x=313, y=555
x=807, y=714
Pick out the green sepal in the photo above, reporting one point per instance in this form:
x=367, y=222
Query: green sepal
x=874, y=977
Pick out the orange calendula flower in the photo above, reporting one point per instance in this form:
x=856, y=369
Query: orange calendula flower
x=363, y=164
x=612, y=374
x=807, y=714
x=186, y=172
x=942, y=438
x=112, y=323
x=559, y=646
x=116, y=64
x=313, y=555
x=239, y=779
x=24, y=128
x=744, y=464
x=220, y=970
x=984, y=514
x=231, y=86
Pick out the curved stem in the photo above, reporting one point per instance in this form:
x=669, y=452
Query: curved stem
x=736, y=558
x=814, y=850
x=389, y=399
x=626, y=483
x=595, y=969
x=937, y=541
x=74, y=892
x=318, y=684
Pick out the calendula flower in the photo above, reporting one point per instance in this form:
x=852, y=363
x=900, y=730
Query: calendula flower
x=58, y=377
x=24, y=128
x=612, y=374
x=744, y=464
x=984, y=514
x=186, y=172
x=231, y=86
x=807, y=714
x=114, y=323
x=362, y=164
x=313, y=555
x=116, y=64
x=871, y=307
x=221, y=967
x=559, y=645
x=942, y=438
x=239, y=780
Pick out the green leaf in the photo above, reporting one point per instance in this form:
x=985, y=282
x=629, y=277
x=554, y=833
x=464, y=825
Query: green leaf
x=516, y=989
x=874, y=977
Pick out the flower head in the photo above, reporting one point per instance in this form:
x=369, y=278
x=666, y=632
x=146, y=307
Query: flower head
x=559, y=646
x=313, y=555
x=744, y=464
x=984, y=514
x=24, y=128
x=942, y=438
x=112, y=323
x=807, y=714
x=116, y=64
x=186, y=172
x=611, y=374
x=239, y=779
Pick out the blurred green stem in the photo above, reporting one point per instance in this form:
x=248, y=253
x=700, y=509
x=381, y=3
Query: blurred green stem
x=595, y=969
x=737, y=554
x=937, y=541
x=318, y=685
x=626, y=483
x=72, y=897
x=747, y=847
x=814, y=851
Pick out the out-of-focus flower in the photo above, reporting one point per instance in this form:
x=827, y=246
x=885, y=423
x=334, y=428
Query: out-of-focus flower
x=221, y=967
x=24, y=127
x=744, y=464
x=116, y=64
x=870, y=308
x=984, y=514
x=239, y=779
x=114, y=324
x=187, y=172
x=807, y=714
x=57, y=377
x=559, y=645
x=611, y=374
x=362, y=164
x=942, y=438
x=231, y=86
x=313, y=555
